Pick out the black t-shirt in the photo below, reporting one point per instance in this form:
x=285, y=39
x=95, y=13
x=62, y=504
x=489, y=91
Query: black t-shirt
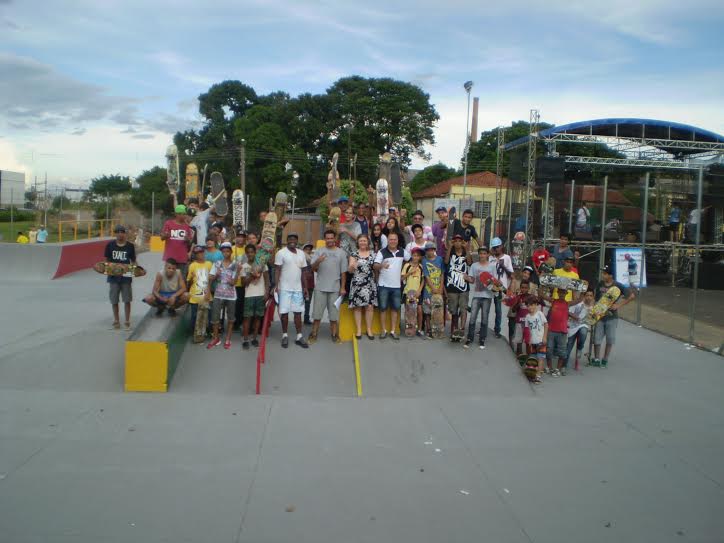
x=120, y=254
x=602, y=288
x=457, y=269
x=467, y=232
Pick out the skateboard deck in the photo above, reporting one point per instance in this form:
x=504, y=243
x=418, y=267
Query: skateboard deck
x=450, y=228
x=517, y=250
x=602, y=306
x=385, y=167
x=172, y=170
x=119, y=270
x=348, y=233
x=218, y=194
x=530, y=367
x=395, y=184
x=548, y=266
x=202, y=322
x=437, y=317
x=237, y=208
x=411, y=313
x=192, y=181
x=333, y=220
x=280, y=205
x=490, y=282
x=203, y=182
x=382, y=200
x=557, y=281
x=268, y=233
x=333, y=179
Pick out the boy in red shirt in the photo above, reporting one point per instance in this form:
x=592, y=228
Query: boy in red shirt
x=178, y=236
x=557, y=332
x=518, y=304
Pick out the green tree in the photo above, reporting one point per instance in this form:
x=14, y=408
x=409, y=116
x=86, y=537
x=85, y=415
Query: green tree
x=152, y=188
x=61, y=202
x=110, y=184
x=432, y=175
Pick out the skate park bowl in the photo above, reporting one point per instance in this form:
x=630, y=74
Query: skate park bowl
x=154, y=349
x=45, y=261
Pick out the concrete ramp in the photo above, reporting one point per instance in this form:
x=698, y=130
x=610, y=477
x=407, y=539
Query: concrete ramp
x=426, y=367
x=44, y=261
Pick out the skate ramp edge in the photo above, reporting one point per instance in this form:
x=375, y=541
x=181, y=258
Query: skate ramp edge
x=154, y=349
x=44, y=261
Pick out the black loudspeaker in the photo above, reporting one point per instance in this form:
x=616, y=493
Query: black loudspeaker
x=549, y=170
x=519, y=165
x=711, y=276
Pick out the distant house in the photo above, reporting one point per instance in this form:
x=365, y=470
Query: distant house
x=480, y=192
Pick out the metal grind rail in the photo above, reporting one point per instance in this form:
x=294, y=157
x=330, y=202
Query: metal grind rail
x=261, y=355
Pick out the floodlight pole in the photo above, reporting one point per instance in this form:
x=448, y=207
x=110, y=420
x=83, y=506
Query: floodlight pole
x=468, y=87
x=697, y=255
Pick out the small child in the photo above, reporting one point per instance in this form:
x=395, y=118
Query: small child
x=212, y=252
x=169, y=290
x=256, y=283
x=557, y=332
x=225, y=273
x=519, y=308
x=412, y=276
x=536, y=333
x=432, y=270
x=197, y=280
x=578, y=327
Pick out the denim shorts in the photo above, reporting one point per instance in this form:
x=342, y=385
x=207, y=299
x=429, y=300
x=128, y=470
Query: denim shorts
x=557, y=344
x=389, y=297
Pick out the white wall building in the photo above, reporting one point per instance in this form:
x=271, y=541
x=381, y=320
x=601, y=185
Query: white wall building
x=12, y=185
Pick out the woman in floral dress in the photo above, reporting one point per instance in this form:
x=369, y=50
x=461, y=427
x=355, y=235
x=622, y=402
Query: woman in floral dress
x=363, y=288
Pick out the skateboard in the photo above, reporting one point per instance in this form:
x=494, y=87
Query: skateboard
x=556, y=281
x=602, y=306
x=530, y=366
x=411, y=313
x=395, y=183
x=450, y=228
x=457, y=335
x=119, y=270
x=437, y=317
x=266, y=247
x=490, y=282
x=218, y=194
x=333, y=220
x=192, y=181
x=333, y=179
x=385, y=167
x=517, y=250
x=382, y=200
x=237, y=208
x=348, y=233
x=202, y=322
x=548, y=266
x=280, y=205
x=172, y=170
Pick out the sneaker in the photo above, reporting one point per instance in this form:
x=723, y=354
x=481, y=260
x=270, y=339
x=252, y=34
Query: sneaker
x=245, y=345
x=303, y=344
x=546, y=370
x=394, y=336
x=285, y=342
x=482, y=344
x=116, y=325
x=254, y=342
x=160, y=311
x=595, y=362
x=312, y=339
x=467, y=343
x=307, y=322
x=227, y=345
x=604, y=363
x=420, y=333
x=383, y=335
x=555, y=373
x=497, y=335
x=127, y=325
x=562, y=371
x=537, y=380
x=429, y=335
x=213, y=343
x=172, y=312
x=335, y=339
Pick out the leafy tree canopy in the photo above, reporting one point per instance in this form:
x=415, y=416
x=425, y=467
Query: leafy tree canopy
x=110, y=184
x=431, y=176
x=152, y=182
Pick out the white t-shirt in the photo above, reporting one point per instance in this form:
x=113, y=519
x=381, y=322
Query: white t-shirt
x=410, y=246
x=502, y=263
x=291, y=269
x=478, y=290
x=581, y=311
x=391, y=277
x=536, y=323
x=255, y=288
x=582, y=216
x=426, y=233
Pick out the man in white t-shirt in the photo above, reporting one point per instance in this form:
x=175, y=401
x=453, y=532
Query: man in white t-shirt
x=388, y=263
x=582, y=216
x=288, y=265
x=418, y=238
x=503, y=273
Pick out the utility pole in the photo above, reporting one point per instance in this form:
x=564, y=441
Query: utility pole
x=242, y=181
x=45, y=205
x=468, y=87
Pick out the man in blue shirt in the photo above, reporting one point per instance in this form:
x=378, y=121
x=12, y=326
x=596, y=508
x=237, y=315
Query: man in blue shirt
x=562, y=251
x=42, y=235
x=674, y=221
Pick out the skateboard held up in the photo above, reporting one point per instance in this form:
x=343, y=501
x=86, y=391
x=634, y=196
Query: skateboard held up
x=280, y=205
x=601, y=307
x=395, y=184
x=192, y=181
x=382, y=200
x=557, y=281
x=268, y=240
x=172, y=171
x=119, y=270
x=218, y=194
x=237, y=208
x=333, y=179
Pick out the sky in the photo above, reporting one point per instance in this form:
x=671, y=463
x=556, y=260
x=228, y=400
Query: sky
x=92, y=87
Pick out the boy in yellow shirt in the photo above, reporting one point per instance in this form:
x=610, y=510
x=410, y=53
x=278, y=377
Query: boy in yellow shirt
x=197, y=280
x=412, y=276
x=22, y=238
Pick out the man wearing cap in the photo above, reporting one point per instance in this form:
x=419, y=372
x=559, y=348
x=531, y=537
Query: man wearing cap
x=178, y=237
x=417, y=218
x=291, y=293
x=330, y=264
x=606, y=327
x=120, y=251
x=439, y=229
x=343, y=204
x=503, y=273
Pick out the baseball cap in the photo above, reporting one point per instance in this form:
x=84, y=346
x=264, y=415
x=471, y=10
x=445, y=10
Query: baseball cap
x=528, y=268
x=180, y=209
x=568, y=257
x=496, y=242
x=343, y=199
x=218, y=224
x=308, y=245
x=241, y=232
x=457, y=236
x=225, y=245
x=430, y=245
x=119, y=228
x=292, y=235
x=607, y=269
x=440, y=208
x=417, y=250
x=199, y=249
x=483, y=248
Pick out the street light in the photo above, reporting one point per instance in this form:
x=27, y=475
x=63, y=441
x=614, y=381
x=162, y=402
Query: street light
x=468, y=85
x=295, y=182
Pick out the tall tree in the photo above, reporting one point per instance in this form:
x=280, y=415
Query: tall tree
x=152, y=191
x=110, y=184
x=431, y=175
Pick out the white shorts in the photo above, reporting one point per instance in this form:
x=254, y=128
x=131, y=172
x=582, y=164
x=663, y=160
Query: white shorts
x=291, y=301
x=518, y=334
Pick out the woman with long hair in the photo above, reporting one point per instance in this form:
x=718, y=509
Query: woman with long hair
x=378, y=240
x=393, y=225
x=363, y=289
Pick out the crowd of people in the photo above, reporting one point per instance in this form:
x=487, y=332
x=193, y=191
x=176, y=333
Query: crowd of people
x=205, y=261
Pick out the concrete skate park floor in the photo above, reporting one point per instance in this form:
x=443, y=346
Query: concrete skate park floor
x=445, y=445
